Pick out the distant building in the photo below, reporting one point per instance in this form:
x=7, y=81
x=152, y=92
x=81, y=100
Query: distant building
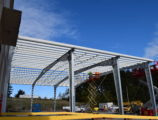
x=28, y=96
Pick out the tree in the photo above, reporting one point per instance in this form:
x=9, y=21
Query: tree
x=60, y=96
x=10, y=90
x=20, y=92
x=39, y=97
x=45, y=98
x=131, y=88
x=64, y=96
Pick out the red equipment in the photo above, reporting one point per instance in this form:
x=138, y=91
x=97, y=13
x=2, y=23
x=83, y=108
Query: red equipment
x=140, y=72
x=147, y=112
x=154, y=68
x=95, y=76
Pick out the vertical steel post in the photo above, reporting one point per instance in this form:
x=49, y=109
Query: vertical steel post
x=118, y=87
x=6, y=78
x=55, y=88
x=32, y=93
x=150, y=87
x=5, y=59
x=2, y=68
x=4, y=85
x=71, y=79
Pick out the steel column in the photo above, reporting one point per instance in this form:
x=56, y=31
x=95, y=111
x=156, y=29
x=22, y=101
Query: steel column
x=71, y=79
x=32, y=93
x=55, y=88
x=118, y=87
x=150, y=87
x=5, y=59
x=6, y=77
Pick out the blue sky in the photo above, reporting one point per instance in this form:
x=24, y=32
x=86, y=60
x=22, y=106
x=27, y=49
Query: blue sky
x=124, y=26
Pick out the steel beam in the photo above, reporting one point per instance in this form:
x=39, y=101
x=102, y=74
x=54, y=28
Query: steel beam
x=80, y=48
x=63, y=57
x=140, y=65
x=72, y=83
x=150, y=87
x=118, y=87
x=108, y=72
x=102, y=63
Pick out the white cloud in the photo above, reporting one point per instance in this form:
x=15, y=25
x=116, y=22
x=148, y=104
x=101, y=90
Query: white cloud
x=40, y=19
x=151, y=51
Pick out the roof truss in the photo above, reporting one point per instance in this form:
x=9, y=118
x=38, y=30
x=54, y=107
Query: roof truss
x=43, y=62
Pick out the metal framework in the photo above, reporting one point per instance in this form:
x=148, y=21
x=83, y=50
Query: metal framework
x=62, y=58
x=33, y=55
x=41, y=62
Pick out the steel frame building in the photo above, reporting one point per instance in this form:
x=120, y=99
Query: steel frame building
x=42, y=62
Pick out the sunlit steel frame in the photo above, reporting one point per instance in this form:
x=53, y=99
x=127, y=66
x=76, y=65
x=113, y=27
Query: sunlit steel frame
x=62, y=58
x=114, y=62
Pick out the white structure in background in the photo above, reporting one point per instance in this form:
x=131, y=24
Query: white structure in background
x=105, y=105
x=109, y=107
x=77, y=108
x=27, y=96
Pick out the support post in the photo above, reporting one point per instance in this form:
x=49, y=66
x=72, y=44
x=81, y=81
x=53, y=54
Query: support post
x=71, y=79
x=118, y=87
x=5, y=76
x=150, y=87
x=31, y=103
x=9, y=21
x=5, y=59
x=55, y=88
